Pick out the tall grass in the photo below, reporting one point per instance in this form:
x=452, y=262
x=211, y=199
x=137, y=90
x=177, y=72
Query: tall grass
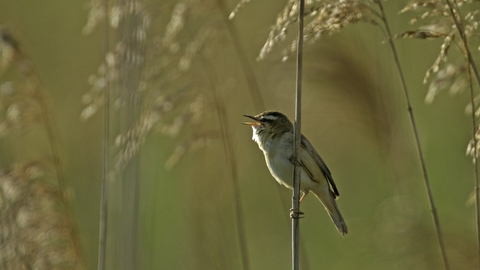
x=154, y=73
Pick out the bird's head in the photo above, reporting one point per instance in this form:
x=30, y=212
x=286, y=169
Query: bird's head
x=269, y=124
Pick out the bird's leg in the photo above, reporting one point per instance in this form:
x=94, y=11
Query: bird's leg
x=303, y=197
x=298, y=214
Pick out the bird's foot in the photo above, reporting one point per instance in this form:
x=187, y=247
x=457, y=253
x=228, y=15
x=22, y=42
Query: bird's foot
x=294, y=161
x=296, y=214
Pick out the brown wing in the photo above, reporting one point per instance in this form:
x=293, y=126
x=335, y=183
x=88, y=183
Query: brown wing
x=309, y=148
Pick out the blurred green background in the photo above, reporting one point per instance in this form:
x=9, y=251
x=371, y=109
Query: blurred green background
x=354, y=114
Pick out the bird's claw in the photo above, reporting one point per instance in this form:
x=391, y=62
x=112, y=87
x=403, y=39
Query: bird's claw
x=296, y=214
x=294, y=161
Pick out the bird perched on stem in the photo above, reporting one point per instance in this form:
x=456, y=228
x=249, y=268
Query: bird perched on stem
x=273, y=133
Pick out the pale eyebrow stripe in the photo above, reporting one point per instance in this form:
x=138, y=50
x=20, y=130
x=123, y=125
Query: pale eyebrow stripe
x=270, y=117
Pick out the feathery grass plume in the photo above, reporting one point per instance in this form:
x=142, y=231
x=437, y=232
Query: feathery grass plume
x=452, y=76
x=438, y=24
x=328, y=18
x=18, y=110
x=130, y=141
x=96, y=13
x=237, y=8
x=126, y=51
x=94, y=99
x=443, y=22
x=21, y=99
x=163, y=87
x=473, y=150
x=33, y=221
x=191, y=144
x=38, y=228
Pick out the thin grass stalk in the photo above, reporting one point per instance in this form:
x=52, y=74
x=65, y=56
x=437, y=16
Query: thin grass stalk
x=253, y=87
x=297, y=143
x=57, y=157
x=230, y=160
x=131, y=76
x=102, y=237
x=475, y=165
x=423, y=166
x=47, y=119
x=53, y=140
x=255, y=94
x=471, y=65
x=59, y=172
x=461, y=32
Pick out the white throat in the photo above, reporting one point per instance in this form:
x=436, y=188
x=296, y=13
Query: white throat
x=255, y=136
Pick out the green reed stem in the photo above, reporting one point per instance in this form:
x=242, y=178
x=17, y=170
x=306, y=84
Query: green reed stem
x=453, y=9
x=423, y=166
x=297, y=143
x=102, y=234
x=230, y=160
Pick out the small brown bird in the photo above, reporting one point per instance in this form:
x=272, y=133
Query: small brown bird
x=273, y=133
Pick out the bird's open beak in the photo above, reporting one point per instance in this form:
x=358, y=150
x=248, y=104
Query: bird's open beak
x=253, y=124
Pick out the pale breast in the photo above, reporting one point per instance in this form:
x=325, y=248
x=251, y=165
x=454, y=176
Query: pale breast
x=281, y=169
x=278, y=161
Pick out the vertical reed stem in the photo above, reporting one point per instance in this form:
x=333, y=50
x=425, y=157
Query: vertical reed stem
x=229, y=159
x=475, y=165
x=471, y=65
x=254, y=89
x=102, y=234
x=255, y=96
x=423, y=166
x=297, y=144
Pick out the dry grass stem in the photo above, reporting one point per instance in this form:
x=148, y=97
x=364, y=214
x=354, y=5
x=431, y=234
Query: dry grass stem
x=254, y=89
x=192, y=144
x=416, y=137
x=446, y=18
x=465, y=31
x=230, y=159
x=237, y=8
x=297, y=135
x=103, y=217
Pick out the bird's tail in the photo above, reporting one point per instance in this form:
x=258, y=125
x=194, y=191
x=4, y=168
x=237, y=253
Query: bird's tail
x=330, y=205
